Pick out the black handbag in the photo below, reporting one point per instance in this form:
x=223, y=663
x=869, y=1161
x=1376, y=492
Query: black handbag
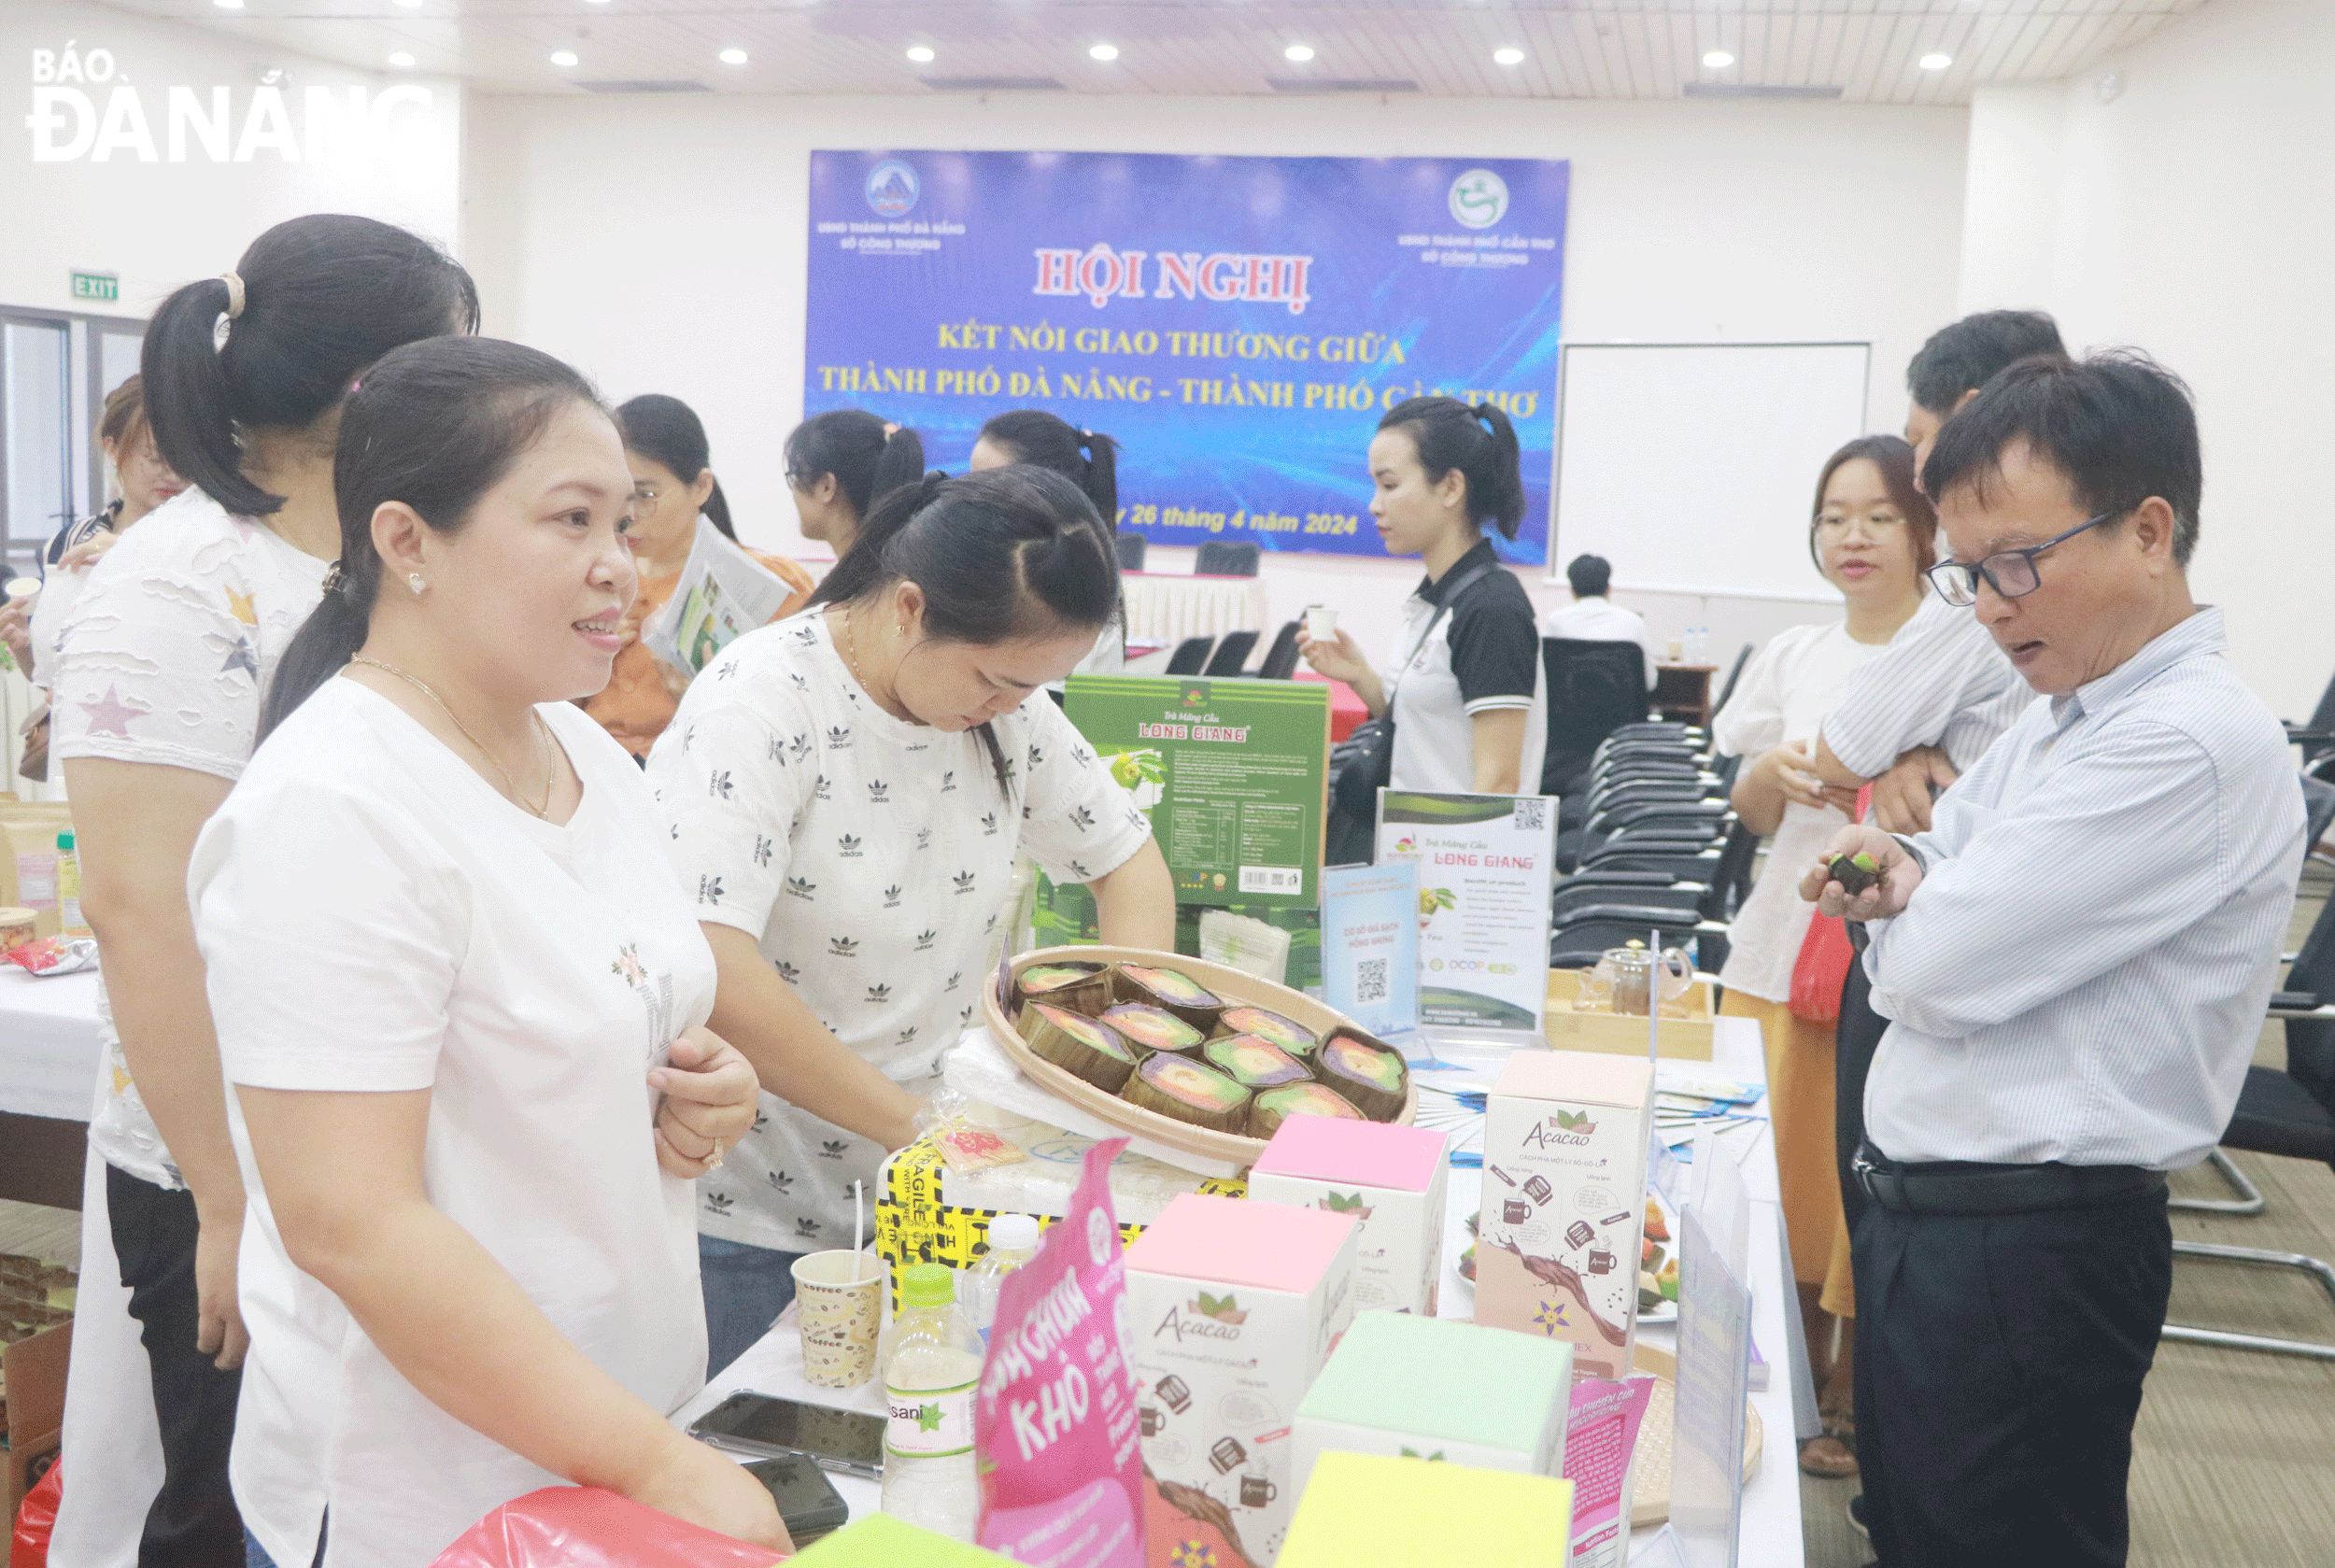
x=1361, y=764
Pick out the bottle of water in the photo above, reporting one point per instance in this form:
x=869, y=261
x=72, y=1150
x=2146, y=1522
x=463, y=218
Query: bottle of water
x=1012, y=1242
x=931, y=1365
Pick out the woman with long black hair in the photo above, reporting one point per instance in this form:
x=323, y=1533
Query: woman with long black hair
x=839, y=464
x=848, y=793
x=155, y=706
x=1088, y=460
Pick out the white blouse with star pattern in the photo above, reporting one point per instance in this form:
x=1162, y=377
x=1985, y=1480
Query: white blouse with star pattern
x=869, y=857
x=163, y=660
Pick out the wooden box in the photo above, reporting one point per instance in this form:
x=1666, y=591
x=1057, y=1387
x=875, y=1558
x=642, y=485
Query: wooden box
x=1683, y=1039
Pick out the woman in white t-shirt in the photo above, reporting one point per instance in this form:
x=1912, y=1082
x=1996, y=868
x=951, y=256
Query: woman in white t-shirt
x=1465, y=665
x=460, y=1004
x=158, y=674
x=1871, y=538
x=847, y=792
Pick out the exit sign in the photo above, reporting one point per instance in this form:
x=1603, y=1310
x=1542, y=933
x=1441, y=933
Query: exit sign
x=97, y=285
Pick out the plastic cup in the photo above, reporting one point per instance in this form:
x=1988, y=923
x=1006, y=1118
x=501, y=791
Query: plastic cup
x=1677, y=649
x=839, y=1300
x=1321, y=624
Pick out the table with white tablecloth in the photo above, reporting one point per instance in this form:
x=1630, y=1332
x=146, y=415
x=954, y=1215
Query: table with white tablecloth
x=49, y=1060
x=1771, y=1500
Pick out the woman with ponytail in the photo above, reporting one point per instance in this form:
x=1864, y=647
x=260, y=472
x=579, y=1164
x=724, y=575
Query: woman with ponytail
x=461, y=1001
x=839, y=464
x=848, y=793
x=159, y=671
x=663, y=442
x=1465, y=663
x=1088, y=460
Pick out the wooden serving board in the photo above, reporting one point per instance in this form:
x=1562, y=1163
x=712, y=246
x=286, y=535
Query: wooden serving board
x=1227, y=983
x=1650, y=1496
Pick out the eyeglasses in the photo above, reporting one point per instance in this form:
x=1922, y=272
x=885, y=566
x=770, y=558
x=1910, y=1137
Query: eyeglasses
x=1873, y=521
x=644, y=499
x=2010, y=572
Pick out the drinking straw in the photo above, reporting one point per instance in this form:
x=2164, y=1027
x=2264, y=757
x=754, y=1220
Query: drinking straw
x=1654, y=997
x=858, y=1229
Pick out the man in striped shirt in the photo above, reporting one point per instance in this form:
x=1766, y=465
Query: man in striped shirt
x=2076, y=957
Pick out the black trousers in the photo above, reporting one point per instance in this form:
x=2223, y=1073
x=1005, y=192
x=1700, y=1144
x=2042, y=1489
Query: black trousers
x=193, y=1522
x=1999, y=1367
x=1855, y=1038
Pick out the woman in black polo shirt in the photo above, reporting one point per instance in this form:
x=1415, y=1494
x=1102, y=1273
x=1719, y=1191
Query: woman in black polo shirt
x=1467, y=707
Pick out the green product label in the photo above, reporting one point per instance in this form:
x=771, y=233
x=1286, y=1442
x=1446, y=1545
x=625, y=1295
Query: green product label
x=929, y=1423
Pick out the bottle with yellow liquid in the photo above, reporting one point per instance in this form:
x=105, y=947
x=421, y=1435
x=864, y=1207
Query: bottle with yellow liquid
x=69, y=888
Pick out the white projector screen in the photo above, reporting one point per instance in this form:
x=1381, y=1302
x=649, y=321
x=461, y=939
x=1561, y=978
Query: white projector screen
x=1691, y=467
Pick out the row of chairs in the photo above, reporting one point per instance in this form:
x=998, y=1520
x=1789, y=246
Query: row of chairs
x=1657, y=849
x=1218, y=557
x=1226, y=655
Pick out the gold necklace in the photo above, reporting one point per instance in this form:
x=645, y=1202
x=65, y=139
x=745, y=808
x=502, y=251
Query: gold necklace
x=844, y=642
x=512, y=789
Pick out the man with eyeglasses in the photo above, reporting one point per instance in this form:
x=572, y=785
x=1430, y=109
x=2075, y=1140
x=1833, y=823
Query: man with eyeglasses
x=2074, y=957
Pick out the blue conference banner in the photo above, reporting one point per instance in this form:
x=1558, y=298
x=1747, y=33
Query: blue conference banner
x=1238, y=324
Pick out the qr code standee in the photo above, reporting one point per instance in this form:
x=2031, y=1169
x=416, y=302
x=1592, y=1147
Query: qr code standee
x=1370, y=980
x=1532, y=814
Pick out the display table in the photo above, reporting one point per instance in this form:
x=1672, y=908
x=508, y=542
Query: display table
x=49, y=1056
x=1771, y=1502
x=1169, y=607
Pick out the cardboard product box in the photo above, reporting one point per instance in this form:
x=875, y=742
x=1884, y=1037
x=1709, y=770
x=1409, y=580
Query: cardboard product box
x=1232, y=1309
x=881, y=1541
x=1557, y=1239
x=32, y=1377
x=1438, y=1389
x=28, y=859
x=1391, y=1178
x=927, y=1213
x=1369, y=1511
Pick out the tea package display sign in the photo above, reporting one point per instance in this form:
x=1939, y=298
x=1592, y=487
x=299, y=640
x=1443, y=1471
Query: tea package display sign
x=1054, y=1421
x=1391, y=1178
x=1232, y=1307
x=1486, y=863
x=1558, y=1236
x=1438, y=1389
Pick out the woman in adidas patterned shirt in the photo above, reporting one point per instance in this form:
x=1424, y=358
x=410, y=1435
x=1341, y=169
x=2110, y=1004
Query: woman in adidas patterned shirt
x=847, y=792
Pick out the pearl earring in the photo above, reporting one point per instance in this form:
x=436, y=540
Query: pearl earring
x=413, y=581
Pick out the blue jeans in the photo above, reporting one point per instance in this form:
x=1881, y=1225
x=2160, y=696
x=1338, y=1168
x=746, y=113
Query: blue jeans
x=255, y=1555
x=746, y=1288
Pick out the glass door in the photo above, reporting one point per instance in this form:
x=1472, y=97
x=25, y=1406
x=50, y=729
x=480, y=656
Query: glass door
x=36, y=466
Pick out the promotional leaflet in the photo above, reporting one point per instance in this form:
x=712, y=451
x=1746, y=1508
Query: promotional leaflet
x=723, y=592
x=1371, y=944
x=1055, y=1421
x=1485, y=864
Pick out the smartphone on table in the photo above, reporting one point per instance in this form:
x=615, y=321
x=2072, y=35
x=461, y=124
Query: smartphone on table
x=848, y=1441
x=807, y=1500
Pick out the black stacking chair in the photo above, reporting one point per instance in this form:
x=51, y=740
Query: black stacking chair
x=1190, y=655
x=1227, y=558
x=1131, y=549
x=1735, y=673
x=2317, y=738
x=2290, y=1113
x=1280, y=659
x=1594, y=688
x=1231, y=654
x=1590, y=930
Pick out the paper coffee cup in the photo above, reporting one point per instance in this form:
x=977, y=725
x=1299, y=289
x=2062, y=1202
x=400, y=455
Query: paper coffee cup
x=1321, y=624
x=839, y=1298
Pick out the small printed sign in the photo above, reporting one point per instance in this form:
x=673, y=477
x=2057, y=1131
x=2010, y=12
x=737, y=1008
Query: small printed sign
x=97, y=285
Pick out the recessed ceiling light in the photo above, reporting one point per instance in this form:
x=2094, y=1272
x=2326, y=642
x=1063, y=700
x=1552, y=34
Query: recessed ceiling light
x=1509, y=56
x=228, y=5
x=402, y=60
x=1297, y=53
x=733, y=57
x=562, y=57
x=921, y=54
x=1103, y=51
x=410, y=5
x=1719, y=60
x=1936, y=61
x=586, y=2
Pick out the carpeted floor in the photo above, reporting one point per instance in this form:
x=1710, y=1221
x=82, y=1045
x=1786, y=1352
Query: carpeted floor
x=2234, y=1456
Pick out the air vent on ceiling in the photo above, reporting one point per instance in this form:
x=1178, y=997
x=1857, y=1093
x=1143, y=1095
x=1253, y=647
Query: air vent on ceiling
x=993, y=84
x=1736, y=90
x=643, y=87
x=1341, y=84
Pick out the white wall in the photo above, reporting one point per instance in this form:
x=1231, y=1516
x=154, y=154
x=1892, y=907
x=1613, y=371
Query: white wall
x=158, y=222
x=2194, y=215
x=661, y=244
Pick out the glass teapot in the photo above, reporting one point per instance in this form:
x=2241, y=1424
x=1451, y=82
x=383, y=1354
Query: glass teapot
x=1628, y=978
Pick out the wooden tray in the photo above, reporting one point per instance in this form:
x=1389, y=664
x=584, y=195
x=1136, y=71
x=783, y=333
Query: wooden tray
x=1650, y=1492
x=1226, y=982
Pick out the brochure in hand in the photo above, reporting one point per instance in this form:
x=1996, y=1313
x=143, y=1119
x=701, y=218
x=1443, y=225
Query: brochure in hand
x=723, y=592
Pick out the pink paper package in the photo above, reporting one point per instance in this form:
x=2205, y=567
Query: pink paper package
x=1055, y=1423
x=1600, y=1438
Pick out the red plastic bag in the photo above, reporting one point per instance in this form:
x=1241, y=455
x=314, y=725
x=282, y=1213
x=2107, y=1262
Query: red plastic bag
x=1821, y=970
x=36, y=1519
x=585, y=1527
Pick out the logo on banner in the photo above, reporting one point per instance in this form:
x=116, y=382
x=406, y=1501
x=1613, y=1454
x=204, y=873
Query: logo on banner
x=1478, y=199
x=892, y=188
